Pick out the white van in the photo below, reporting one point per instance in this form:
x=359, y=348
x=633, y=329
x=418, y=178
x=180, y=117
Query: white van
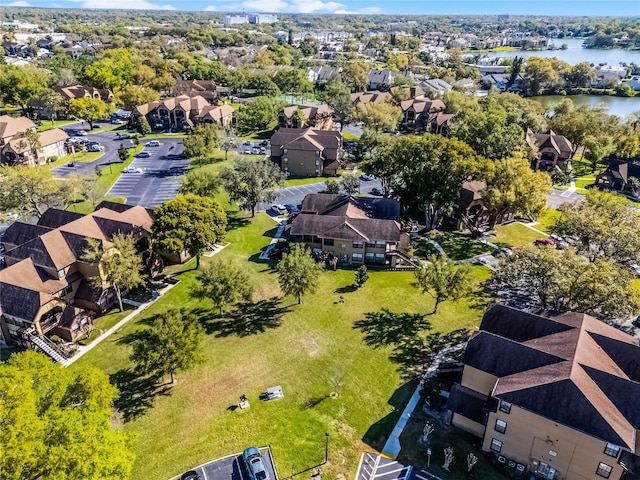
x=153, y=143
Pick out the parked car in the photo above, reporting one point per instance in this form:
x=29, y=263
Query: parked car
x=247, y=143
x=132, y=170
x=81, y=133
x=143, y=154
x=376, y=191
x=502, y=251
x=190, y=475
x=255, y=151
x=541, y=242
x=291, y=208
x=279, y=209
x=263, y=150
x=559, y=242
x=365, y=177
x=71, y=164
x=255, y=464
x=636, y=322
x=153, y=143
x=92, y=147
x=636, y=268
x=116, y=121
x=122, y=136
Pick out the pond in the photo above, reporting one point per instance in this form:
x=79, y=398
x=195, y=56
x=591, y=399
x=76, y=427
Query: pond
x=620, y=106
x=576, y=53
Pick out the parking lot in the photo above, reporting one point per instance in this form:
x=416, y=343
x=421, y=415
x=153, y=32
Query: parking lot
x=232, y=468
x=157, y=179
x=377, y=467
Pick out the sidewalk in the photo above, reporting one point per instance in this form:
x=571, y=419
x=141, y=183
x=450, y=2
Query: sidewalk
x=265, y=255
x=82, y=350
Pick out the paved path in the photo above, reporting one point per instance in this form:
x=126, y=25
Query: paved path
x=377, y=467
x=265, y=254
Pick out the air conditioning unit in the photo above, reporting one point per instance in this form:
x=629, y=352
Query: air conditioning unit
x=501, y=459
x=520, y=468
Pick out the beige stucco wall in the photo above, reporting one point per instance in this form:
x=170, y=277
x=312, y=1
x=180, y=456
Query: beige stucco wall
x=468, y=425
x=302, y=163
x=478, y=380
x=529, y=437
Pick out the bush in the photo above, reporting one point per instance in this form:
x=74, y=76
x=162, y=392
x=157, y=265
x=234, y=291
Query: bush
x=53, y=158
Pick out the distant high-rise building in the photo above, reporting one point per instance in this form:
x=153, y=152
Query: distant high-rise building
x=253, y=18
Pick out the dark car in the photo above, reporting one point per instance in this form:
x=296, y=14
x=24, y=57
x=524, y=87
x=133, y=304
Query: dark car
x=190, y=475
x=502, y=251
x=291, y=208
x=143, y=155
x=376, y=191
x=255, y=464
x=636, y=322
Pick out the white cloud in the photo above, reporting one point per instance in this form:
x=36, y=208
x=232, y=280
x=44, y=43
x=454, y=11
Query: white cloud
x=211, y=8
x=125, y=4
x=262, y=6
x=295, y=6
x=370, y=10
x=19, y=3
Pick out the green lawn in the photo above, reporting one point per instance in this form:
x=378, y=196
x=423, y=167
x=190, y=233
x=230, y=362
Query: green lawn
x=584, y=182
x=310, y=349
x=48, y=125
x=458, y=246
x=547, y=219
x=422, y=248
x=105, y=322
x=82, y=157
x=294, y=182
x=349, y=136
x=514, y=234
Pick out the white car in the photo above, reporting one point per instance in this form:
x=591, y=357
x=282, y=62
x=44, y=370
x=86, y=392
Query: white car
x=636, y=268
x=279, y=209
x=132, y=170
x=95, y=148
x=153, y=143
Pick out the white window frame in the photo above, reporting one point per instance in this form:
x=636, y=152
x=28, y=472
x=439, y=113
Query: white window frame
x=496, y=445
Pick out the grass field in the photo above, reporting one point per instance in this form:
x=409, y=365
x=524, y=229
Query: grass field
x=514, y=234
x=294, y=182
x=547, y=219
x=310, y=349
x=48, y=125
x=349, y=136
x=458, y=246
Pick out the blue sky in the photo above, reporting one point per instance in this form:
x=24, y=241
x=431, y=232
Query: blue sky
x=513, y=7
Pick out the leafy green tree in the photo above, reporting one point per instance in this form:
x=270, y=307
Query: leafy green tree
x=361, y=276
x=172, y=344
x=252, y=182
x=378, y=116
x=31, y=191
x=123, y=153
x=336, y=95
x=580, y=123
x=258, y=114
x=52, y=103
x=331, y=186
x=562, y=280
x=90, y=109
x=581, y=75
x=544, y=73
x=189, y=223
x=18, y=85
x=224, y=284
x=30, y=140
x=354, y=75
x=226, y=139
x=201, y=183
x=309, y=46
x=350, y=184
x=202, y=141
x=57, y=422
x=298, y=273
x=513, y=187
x=444, y=280
x=263, y=85
x=597, y=147
x=114, y=70
x=603, y=226
x=119, y=265
x=143, y=127
x=293, y=81
x=134, y=95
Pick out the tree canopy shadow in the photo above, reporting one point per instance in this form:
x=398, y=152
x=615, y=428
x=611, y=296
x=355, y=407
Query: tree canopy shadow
x=235, y=221
x=385, y=328
x=248, y=318
x=137, y=392
x=346, y=289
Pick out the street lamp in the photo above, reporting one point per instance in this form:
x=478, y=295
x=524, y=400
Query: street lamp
x=326, y=447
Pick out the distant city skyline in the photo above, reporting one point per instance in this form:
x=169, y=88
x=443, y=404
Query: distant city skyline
x=417, y=7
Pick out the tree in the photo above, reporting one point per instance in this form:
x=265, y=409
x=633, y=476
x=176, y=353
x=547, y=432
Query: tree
x=293, y=81
x=226, y=139
x=603, y=226
x=143, y=126
x=331, y=186
x=118, y=266
x=354, y=75
x=443, y=279
x=52, y=103
x=336, y=95
x=123, y=153
x=30, y=140
x=582, y=75
x=18, y=85
x=513, y=187
x=172, y=344
x=563, y=280
x=378, y=116
x=297, y=272
x=90, y=109
x=515, y=72
x=350, y=184
x=361, y=276
x=57, y=422
x=31, y=191
x=201, y=183
x=189, y=223
x=579, y=123
x=252, y=182
x=258, y=114
x=134, y=95
x=113, y=71
x=543, y=73
x=202, y=141
x=263, y=85
x=224, y=284
x=597, y=147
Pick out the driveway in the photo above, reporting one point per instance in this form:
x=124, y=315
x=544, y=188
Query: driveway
x=159, y=180
x=558, y=197
x=232, y=468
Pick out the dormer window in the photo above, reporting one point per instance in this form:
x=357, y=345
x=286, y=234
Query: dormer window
x=317, y=153
x=61, y=273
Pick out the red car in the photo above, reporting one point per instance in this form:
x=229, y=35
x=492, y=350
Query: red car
x=540, y=242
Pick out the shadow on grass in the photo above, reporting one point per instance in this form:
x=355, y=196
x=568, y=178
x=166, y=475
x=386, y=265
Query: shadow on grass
x=235, y=221
x=459, y=247
x=137, y=392
x=313, y=402
x=247, y=319
x=385, y=328
x=346, y=289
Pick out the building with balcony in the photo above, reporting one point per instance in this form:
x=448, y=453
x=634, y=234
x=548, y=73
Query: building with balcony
x=554, y=151
x=303, y=116
x=174, y=113
x=307, y=152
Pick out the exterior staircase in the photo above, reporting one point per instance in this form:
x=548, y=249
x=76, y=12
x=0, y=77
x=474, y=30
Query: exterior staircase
x=404, y=261
x=48, y=349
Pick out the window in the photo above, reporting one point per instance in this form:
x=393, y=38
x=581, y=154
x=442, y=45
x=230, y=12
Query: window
x=505, y=407
x=285, y=160
x=369, y=257
x=612, y=450
x=317, y=172
x=501, y=426
x=380, y=243
x=285, y=150
x=317, y=153
x=317, y=162
x=328, y=242
x=370, y=244
x=496, y=445
x=379, y=257
x=61, y=273
x=356, y=257
x=286, y=169
x=604, y=470
x=358, y=244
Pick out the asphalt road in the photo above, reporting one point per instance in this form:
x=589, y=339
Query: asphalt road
x=159, y=180
x=295, y=195
x=558, y=197
x=232, y=468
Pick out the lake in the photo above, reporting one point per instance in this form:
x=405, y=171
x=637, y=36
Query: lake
x=619, y=106
x=575, y=53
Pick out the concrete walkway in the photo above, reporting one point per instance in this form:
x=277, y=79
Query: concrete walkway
x=83, y=349
x=392, y=448
x=437, y=246
x=265, y=255
x=216, y=249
